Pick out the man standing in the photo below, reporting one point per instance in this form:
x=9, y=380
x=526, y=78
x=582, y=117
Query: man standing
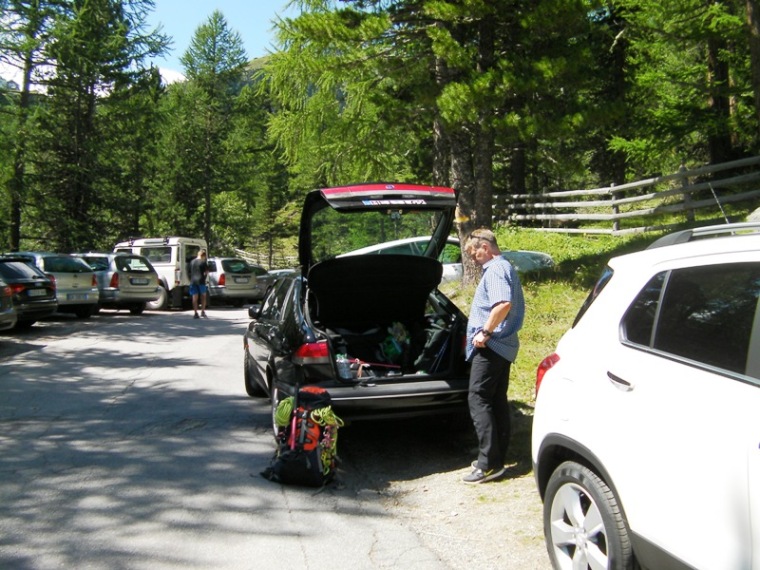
x=496, y=315
x=198, y=273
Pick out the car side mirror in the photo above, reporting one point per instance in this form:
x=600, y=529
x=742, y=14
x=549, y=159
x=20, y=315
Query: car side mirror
x=254, y=311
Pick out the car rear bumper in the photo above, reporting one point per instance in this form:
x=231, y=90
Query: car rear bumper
x=396, y=399
x=77, y=297
x=119, y=297
x=225, y=293
x=36, y=310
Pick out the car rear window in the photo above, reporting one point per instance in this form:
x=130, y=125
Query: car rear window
x=704, y=314
x=133, y=263
x=236, y=266
x=18, y=270
x=259, y=270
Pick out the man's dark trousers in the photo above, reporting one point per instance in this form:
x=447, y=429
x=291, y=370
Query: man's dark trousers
x=489, y=409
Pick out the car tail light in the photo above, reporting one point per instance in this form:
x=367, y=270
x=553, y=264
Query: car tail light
x=114, y=284
x=52, y=281
x=7, y=291
x=312, y=353
x=545, y=365
x=94, y=282
x=222, y=280
x=17, y=288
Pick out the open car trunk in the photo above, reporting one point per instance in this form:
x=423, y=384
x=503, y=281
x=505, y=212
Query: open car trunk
x=385, y=315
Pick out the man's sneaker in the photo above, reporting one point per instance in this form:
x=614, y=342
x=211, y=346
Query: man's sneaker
x=480, y=476
x=204, y=315
x=196, y=316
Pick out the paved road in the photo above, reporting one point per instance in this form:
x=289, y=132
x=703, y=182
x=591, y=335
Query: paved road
x=129, y=443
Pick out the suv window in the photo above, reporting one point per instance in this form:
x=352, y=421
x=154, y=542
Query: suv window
x=705, y=314
x=157, y=254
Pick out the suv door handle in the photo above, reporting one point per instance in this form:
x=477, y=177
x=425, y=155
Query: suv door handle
x=619, y=383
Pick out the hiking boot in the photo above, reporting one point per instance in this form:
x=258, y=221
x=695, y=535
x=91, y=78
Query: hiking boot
x=480, y=476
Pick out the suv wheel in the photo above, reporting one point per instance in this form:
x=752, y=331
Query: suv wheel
x=582, y=522
x=160, y=303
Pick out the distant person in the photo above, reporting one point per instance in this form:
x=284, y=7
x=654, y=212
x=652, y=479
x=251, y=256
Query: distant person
x=496, y=315
x=198, y=289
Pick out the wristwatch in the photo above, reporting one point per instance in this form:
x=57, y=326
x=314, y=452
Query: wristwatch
x=486, y=332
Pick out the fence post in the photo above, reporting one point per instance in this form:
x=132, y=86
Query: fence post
x=686, y=195
x=615, y=210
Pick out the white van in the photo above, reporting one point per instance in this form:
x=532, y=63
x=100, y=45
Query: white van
x=171, y=257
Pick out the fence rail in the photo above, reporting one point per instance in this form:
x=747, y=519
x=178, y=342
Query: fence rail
x=643, y=202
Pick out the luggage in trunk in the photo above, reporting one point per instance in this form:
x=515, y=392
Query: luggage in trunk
x=376, y=311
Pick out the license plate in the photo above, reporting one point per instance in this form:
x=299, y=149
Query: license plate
x=241, y=279
x=36, y=292
x=76, y=296
x=138, y=281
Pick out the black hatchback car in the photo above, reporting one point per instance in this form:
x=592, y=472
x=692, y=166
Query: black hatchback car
x=32, y=292
x=373, y=330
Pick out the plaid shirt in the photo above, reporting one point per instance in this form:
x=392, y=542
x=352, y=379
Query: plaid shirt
x=499, y=283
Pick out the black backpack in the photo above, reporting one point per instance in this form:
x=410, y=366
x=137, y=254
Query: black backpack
x=307, y=440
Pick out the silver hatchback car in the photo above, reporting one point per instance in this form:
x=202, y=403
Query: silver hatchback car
x=233, y=281
x=126, y=280
x=75, y=285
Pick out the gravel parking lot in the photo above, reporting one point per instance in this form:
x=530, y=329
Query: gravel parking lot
x=111, y=365
x=418, y=466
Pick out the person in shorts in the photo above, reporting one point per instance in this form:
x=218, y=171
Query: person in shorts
x=198, y=289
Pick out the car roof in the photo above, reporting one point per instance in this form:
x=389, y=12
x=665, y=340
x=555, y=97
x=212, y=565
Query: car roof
x=707, y=243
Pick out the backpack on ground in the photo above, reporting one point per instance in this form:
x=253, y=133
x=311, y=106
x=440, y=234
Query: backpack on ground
x=307, y=439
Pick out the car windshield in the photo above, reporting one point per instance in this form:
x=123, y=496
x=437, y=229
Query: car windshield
x=335, y=233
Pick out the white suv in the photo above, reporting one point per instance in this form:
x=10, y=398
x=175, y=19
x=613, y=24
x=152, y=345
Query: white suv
x=646, y=434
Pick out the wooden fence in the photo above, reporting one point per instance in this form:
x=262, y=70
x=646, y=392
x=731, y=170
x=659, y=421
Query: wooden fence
x=648, y=204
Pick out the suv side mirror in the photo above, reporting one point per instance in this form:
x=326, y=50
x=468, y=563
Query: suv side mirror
x=254, y=311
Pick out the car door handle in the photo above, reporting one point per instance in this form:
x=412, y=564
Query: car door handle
x=619, y=383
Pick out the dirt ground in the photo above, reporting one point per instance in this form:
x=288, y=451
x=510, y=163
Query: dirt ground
x=417, y=467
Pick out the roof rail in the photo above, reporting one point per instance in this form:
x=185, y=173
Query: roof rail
x=685, y=236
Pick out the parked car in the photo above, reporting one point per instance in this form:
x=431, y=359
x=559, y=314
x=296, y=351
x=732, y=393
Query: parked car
x=374, y=331
x=33, y=293
x=171, y=258
x=8, y=317
x=125, y=280
x=76, y=287
x=233, y=281
x=646, y=417
x=264, y=280
x=524, y=261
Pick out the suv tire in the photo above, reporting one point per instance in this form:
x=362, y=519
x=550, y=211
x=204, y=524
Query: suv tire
x=161, y=303
x=582, y=522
